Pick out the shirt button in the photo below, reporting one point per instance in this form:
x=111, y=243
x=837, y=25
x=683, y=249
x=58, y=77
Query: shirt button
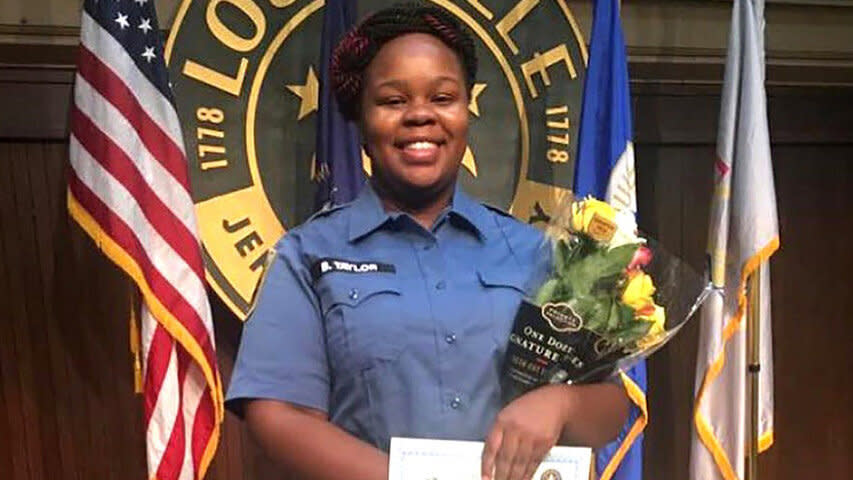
x=456, y=403
x=450, y=338
x=440, y=285
x=353, y=294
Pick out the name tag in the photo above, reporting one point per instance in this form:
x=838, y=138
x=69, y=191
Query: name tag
x=328, y=265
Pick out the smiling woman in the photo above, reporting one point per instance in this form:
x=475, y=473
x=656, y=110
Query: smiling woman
x=389, y=316
x=406, y=76
x=414, y=120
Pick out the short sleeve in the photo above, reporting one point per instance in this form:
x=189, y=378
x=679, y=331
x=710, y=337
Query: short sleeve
x=282, y=353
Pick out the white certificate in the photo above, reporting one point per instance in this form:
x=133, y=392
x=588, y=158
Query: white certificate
x=421, y=459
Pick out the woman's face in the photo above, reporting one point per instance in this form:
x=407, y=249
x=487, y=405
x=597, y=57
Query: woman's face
x=414, y=117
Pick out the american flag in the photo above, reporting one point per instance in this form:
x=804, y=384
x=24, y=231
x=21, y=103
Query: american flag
x=128, y=187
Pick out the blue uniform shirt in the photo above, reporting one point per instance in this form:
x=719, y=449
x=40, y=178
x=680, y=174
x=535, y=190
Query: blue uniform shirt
x=392, y=329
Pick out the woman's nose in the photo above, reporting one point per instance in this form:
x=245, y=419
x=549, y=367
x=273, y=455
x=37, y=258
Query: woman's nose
x=419, y=113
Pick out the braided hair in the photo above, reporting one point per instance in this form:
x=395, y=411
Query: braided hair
x=359, y=46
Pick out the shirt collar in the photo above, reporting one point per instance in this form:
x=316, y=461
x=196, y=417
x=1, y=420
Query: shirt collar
x=367, y=213
x=471, y=211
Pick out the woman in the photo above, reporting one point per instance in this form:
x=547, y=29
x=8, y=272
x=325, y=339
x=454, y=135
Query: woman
x=389, y=316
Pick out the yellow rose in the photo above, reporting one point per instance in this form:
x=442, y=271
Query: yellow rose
x=584, y=213
x=658, y=320
x=638, y=292
x=655, y=334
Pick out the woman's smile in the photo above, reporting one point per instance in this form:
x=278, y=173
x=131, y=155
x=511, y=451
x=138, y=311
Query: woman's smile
x=419, y=152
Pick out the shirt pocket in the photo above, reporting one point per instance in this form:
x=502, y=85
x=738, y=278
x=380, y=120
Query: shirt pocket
x=504, y=290
x=361, y=315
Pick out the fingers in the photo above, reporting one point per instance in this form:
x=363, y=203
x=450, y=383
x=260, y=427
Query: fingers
x=528, y=457
x=518, y=457
x=504, y=462
x=490, y=451
x=523, y=433
x=535, y=460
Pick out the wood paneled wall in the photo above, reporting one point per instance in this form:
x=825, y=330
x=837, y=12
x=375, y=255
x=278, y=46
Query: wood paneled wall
x=813, y=335
x=67, y=410
x=67, y=407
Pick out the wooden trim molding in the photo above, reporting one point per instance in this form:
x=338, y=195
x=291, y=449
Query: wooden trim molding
x=40, y=30
x=36, y=101
x=704, y=66
x=37, y=55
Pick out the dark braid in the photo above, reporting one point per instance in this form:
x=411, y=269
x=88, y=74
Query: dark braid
x=359, y=46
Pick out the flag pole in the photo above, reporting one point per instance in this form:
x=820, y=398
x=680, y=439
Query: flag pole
x=754, y=367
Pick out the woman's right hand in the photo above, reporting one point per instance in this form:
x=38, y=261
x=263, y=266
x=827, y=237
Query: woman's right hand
x=524, y=432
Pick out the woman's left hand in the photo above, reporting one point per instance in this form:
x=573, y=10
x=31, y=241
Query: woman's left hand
x=524, y=432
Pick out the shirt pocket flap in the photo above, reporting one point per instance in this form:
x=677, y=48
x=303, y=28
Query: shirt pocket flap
x=352, y=290
x=503, y=277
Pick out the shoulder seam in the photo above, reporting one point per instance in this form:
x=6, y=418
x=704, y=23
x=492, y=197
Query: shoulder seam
x=497, y=210
x=326, y=212
x=504, y=234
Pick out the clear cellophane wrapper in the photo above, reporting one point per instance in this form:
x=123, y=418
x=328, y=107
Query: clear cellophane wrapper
x=614, y=297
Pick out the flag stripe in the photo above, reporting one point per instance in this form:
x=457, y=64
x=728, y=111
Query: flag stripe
x=192, y=394
x=172, y=462
x=110, y=120
x=121, y=167
x=110, y=54
x=162, y=147
x=164, y=407
x=191, y=330
x=168, y=274
x=204, y=427
x=156, y=367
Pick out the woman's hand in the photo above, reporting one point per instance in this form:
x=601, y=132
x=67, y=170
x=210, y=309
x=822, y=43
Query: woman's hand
x=524, y=432
x=527, y=428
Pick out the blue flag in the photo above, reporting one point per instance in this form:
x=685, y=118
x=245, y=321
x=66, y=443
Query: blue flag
x=605, y=170
x=337, y=167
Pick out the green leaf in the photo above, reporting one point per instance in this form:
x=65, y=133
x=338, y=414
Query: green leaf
x=547, y=291
x=626, y=315
x=607, y=286
x=613, y=317
x=593, y=312
x=600, y=262
x=559, y=256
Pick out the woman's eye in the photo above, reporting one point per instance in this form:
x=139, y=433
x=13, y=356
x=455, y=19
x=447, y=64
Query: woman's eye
x=392, y=101
x=443, y=99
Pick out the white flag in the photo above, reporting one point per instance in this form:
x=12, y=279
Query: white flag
x=743, y=234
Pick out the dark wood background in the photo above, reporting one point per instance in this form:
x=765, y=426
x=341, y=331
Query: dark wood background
x=67, y=410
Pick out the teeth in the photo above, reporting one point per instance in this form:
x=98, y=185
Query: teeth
x=420, y=145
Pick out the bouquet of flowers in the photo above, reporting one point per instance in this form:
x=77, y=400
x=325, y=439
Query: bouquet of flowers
x=613, y=298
